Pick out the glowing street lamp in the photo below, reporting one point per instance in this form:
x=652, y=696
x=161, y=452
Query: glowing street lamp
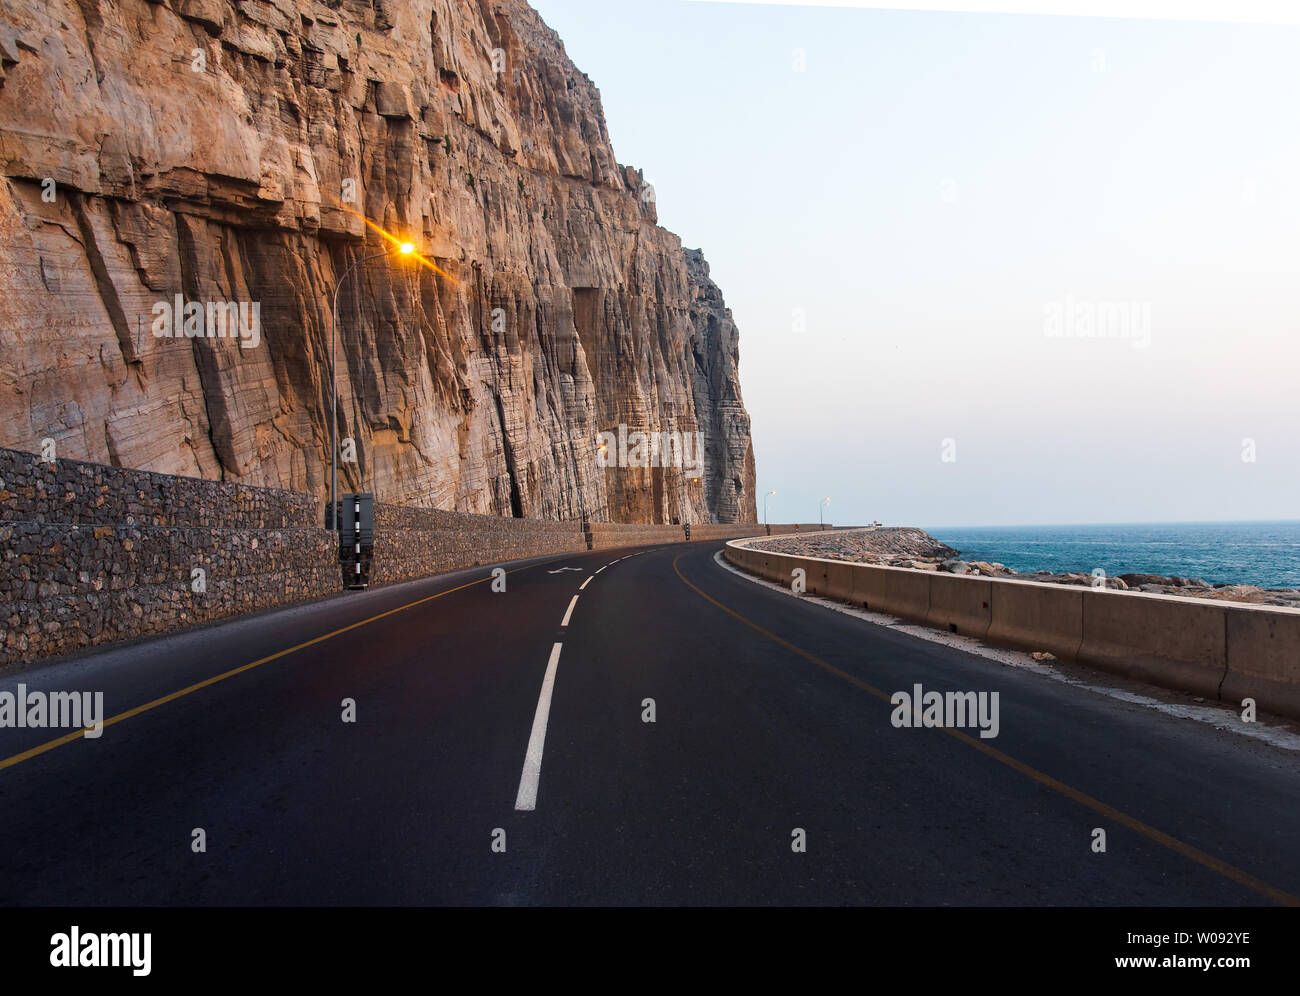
x=406, y=249
x=824, y=503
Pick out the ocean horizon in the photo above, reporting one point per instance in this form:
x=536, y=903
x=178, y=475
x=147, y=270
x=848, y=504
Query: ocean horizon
x=1263, y=553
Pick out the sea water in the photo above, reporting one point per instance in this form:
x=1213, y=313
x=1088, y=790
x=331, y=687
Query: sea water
x=1260, y=553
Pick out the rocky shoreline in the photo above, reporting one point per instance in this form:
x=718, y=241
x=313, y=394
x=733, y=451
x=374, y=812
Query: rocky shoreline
x=898, y=546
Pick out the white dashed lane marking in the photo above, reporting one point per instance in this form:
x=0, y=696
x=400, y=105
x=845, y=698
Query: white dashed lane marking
x=526, y=799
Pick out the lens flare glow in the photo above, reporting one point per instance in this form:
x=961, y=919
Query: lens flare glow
x=404, y=247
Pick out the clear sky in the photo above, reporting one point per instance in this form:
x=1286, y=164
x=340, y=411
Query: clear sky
x=914, y=230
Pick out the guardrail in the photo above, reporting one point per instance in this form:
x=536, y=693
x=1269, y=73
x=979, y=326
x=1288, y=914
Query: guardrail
x=1227, y=651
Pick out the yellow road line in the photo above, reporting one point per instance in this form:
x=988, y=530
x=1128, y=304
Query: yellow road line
x=1151, y=833
x=26, y=755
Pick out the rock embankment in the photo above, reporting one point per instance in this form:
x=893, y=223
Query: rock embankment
x=901, y=546
x=917, y=549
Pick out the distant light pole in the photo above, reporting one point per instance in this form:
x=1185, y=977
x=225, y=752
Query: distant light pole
x=405, y=248
x=765, y=498
x=824, y=503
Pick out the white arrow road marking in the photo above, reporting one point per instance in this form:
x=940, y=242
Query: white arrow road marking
x=563, y=569
x=526, y=800
x=570, y=611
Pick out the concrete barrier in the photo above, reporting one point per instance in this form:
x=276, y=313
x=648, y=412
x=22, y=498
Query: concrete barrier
x=839, y=581
x=1164, y=639
x=782, y=570
x=1221, y=650
x=765, y=565
x=960, y=604
x=1263, y=661
x=893, y=590
x=778, y=569
x=815, y=575
x=1033, y=616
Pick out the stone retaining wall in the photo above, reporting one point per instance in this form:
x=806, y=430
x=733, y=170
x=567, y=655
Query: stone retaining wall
x=609, y=535
x=91, y=554
x=717, y=531
x=417, y=542
x=781, y=528
x=75, y=492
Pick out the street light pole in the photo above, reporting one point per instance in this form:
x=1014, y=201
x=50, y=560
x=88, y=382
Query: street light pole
x=331, y=519
x=765, y=498
x=821, y=521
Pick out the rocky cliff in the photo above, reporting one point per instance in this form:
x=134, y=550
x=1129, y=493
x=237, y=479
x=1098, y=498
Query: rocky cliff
x=162, y=160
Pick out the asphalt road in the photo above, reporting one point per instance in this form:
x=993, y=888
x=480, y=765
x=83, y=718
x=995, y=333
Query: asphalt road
x=771, y=716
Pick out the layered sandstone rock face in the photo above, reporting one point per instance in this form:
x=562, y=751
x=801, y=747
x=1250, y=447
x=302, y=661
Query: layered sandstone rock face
x=213, y=151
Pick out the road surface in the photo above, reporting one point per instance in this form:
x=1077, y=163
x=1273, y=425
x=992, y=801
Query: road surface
x=771, y=716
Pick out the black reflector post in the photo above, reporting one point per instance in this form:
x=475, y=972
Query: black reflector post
x=357, y=539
